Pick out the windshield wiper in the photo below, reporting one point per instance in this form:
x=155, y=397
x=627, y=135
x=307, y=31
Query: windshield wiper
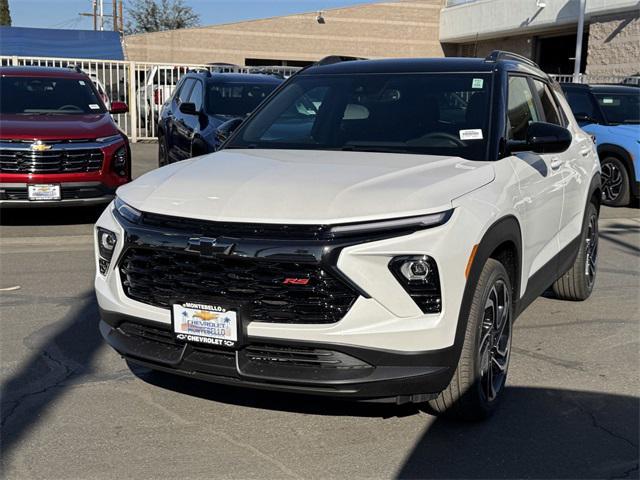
x=363, y=148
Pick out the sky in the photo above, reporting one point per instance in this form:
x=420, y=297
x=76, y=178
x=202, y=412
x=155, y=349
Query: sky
x=64, y=13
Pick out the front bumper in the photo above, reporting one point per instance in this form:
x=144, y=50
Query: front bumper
x=74, y=194
x=354, y=372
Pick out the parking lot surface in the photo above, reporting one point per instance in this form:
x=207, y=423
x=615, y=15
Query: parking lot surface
x=71, y=408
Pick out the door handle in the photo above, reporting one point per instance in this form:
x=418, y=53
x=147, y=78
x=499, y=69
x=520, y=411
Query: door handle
x=555, y=163
x=585, y=152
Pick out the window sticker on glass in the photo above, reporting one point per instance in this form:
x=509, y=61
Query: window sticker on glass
x=473, y=134
x=477, y=83
x=607, y=101
x=81, y=82
x=94, y=106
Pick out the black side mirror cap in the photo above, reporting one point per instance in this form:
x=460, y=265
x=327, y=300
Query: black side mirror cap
x=188, y=108
x=225, y=130
x=542, y=138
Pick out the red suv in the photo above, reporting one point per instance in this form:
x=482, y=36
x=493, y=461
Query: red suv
x=58, y=142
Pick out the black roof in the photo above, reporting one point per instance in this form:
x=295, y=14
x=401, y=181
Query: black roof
x=602, y=88
x=421, y=65
x=255, y=78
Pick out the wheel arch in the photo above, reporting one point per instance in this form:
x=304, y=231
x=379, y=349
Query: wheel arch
x=502, y=241
x=610, y=149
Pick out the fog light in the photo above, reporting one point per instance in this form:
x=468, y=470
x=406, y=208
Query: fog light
x=415, y=269
x=418, y=275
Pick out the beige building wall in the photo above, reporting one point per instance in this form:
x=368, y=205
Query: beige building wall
x=402, y=28
x=522, y=45
x=614, y=44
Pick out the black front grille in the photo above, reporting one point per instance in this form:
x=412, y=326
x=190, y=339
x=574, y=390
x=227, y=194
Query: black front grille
x=160, y=277
x=51, y=161
x=301, y=357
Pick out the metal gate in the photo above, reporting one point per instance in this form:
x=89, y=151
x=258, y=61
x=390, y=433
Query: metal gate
x=144, y=86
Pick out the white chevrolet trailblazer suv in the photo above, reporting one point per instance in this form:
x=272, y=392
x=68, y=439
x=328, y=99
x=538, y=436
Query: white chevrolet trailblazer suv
x=371, y=231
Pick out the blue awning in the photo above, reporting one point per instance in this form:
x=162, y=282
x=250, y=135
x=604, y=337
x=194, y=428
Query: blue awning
x=48, y=42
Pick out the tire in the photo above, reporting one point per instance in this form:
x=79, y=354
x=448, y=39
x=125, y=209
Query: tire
x=577, y=283
x=477, y=385
x=616, y=189
x=163, y=158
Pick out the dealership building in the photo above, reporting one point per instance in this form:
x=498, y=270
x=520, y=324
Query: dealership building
x=543, y=30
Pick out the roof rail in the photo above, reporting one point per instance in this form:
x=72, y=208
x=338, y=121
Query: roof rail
x=331, y=59
x=76, y=68
x=504, y=55
x=200, y=70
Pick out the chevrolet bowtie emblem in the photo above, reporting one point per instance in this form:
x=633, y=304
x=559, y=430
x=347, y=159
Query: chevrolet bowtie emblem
x=208, y=247
x=39, y=146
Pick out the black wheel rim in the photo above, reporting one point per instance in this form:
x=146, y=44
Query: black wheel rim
x=591, y=249
x=612, y=180
x=495, y=341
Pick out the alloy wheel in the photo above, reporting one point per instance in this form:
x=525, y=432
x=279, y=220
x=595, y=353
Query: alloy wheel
x=612, y=180
x=495, y=340
x=591, y=249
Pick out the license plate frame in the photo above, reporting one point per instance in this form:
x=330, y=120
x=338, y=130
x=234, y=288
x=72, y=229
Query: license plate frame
x=44, y=192
x=205, y=329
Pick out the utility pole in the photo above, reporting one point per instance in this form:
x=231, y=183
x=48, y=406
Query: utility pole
x=578, y=60
x=94, y=15
x=115, y=15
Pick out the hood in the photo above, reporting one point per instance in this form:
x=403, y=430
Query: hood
x=299, y=186
x=56, y=127
x=632, y=131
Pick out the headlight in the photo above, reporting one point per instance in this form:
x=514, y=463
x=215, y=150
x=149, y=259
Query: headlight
x=418, y=275
x=107, y=241
x=400, y=224
x=109, y=139
x=119, y=161
x=127, y=211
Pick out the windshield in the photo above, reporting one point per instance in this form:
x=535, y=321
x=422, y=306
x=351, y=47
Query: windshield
x=235, y=99
x=438, y=114
x=620, y=108
x=41, y=95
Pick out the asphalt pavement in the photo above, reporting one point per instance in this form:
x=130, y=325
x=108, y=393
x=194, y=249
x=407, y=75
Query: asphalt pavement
x=72, y=408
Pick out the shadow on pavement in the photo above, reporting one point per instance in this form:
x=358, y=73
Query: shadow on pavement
x=50, y=216
x=61, y=351
x=536, y=433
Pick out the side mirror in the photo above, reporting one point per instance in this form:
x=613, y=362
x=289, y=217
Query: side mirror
x=542, y=138
x=188, y=108
x=225, y=130
x=118, y=107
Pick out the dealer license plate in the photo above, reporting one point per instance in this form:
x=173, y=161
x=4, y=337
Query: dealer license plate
x=205, y=324
x=44, y=192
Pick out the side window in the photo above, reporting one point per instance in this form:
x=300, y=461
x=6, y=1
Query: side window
x=549, y=107
x=581, y=104
x=185, y=90
x=196, y=95
x=297, y=121
x=521, y=108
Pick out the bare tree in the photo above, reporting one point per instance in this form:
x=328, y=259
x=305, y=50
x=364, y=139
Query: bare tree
x=158, y=15
x=5, y=15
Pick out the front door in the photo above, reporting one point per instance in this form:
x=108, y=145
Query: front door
x=540, y=179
